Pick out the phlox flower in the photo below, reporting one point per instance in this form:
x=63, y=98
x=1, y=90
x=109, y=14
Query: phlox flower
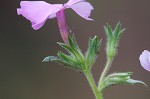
x=145, y=60
x=39, y=11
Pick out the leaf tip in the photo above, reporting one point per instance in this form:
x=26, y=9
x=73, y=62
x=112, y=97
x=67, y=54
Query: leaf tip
x=46, y=59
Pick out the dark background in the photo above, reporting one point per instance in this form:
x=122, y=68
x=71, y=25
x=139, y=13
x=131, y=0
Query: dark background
x=22, y=49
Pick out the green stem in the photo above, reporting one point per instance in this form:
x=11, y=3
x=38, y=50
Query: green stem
x=90, y=79
x=104, y=73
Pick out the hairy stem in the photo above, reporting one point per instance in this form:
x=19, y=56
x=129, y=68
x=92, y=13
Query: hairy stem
x=90, y=79
x=104, y=73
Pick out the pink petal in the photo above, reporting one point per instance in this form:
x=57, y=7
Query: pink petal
x=37, y=26
x=37, y=12
x=145, y=60
x=83, y=9
x=58, y=7
x=71, y=2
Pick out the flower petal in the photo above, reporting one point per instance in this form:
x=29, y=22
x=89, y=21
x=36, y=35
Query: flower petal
x=83, y=9
x=71, y=2
x=59, y=7
x=37, y=12
x=145, y=60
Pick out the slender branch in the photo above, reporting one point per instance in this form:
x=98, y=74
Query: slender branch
x=104, y=73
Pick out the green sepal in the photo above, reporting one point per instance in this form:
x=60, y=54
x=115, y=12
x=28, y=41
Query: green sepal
x=119, y=78
x=108, y=31
x=113, y=37
x=93, y=50
x=117, y=29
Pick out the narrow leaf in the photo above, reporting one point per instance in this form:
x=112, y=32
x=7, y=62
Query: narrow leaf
x=119, y=75
x=117, y=29
x=76, y=49
x=132, y=81
x=120, y=33
x=93, y=50
x=66, y=47
x=49, y=58
x=75, y=44
x=66, y=57
x=119, y=78
x=69, y=59
x=108, y=31
x=62, y=62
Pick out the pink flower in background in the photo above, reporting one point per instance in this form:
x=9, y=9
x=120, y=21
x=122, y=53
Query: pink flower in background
x=145, y=60
x=39, y=11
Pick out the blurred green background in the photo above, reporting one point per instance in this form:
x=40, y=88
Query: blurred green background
x=22, y=49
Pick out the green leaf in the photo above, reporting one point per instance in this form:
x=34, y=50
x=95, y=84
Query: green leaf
x=108, y=31
x=75, y=59
x=68, y=48
x=93, y=50
x=113, y=37
x=119, y=78
x=62, y=62
x=120, y=33
x=69, y=59
x=66, y=58
x=132, y=82
x=76, y=49
x=117, y=29
x=126, y=74
x=55, y=59
x=72, y=43
x=50, y=58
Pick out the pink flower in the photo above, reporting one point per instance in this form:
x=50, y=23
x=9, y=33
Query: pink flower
x=145, y=60
x=39, y=11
